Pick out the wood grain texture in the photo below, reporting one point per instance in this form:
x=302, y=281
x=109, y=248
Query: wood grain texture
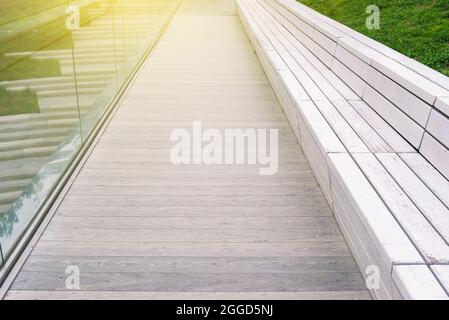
x=294, y=45
x=139, y=227
x=133, y=295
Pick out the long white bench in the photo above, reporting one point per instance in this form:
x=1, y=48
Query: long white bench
x=374, y=126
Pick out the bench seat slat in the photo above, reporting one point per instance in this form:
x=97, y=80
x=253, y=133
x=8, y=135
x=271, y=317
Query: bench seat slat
x=353, y=63
x=442, y=274
x=423, y=235
x=336, y=89
x=424, y=199
x=436, y=153
x=372, y=139
x=372, y=212
x=427, y=173
x=343, y=130
x=349, y=77
x=395, y=117
x=349, y=138
x=306, y=81
x=398, y=143
x=438, y=126
x=414, y=107
x=418, y=283
x=306, y=36
x=442, y=104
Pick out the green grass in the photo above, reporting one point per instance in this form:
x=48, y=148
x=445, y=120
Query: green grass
x=12, y=68
x=18, y=102
x=417, y=28
x=11, y=10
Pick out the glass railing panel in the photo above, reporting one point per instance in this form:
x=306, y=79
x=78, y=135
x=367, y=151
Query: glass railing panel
x=62, y=62
x=93, y=43
x=39, y=115
x=128, y=25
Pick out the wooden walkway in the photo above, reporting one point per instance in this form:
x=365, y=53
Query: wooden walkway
x=138, y=226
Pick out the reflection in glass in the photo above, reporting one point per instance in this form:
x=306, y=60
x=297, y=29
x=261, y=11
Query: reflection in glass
x=61, y=64
x=38, y=109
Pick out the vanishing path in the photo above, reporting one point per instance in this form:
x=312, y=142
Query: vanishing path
x=139, y=227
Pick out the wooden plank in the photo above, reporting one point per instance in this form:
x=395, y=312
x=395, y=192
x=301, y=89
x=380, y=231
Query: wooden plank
x=442, y=274
x=423, y=88
x=193, y=282
x=349, y=77
x=438, y=127
x=193, y=223
x=370, y=137
x=319, y=128
x=362, y=245
x=187, y=174
x=435, y=153
x=294, y=34
x=324, y=41
x=442, y=104
x=305, y=248
x=408, y=128
x=424, y=199
x=418, y=283
x=318, y=140
x=303, y=77
x=344, y=131
x=365, y=252
x=212, y=201
x=143, y=236
x=361, y=51
x=130, y=190
x=386, y=131
x=289, y=106
x=164, y=182
x=388, y=236
x=210, y=265
x=410, y=104
x=359, y=67
x=305, y=36
x=427, y=173
x=317, y=159
x=417, y=227
x=305, y=210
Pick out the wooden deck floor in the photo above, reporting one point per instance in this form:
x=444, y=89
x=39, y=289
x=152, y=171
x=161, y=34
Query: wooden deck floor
x=139, y=227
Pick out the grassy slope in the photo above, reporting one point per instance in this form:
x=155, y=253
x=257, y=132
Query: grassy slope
x=25, y=101
x=27, y=68
x=416, y=28
x=18, y=102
